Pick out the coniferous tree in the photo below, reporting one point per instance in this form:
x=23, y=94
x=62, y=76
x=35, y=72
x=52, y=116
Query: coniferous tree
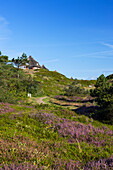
x=3, y=58
x=103, y=94
x=20, y=61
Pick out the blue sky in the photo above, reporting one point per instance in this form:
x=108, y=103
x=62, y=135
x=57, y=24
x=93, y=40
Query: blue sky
x=74, y=37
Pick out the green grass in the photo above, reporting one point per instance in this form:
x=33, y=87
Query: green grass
x=25, y=137
x=50, y=136
x=53, y=83
x=47, y=100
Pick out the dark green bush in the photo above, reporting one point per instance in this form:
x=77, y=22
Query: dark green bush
x=103, y=94
x=75, y=90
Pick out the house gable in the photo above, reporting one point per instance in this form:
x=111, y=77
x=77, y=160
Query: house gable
x=33, y=63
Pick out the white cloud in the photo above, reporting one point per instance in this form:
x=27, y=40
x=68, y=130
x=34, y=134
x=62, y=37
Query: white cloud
x=98, y=54
x=108, y=45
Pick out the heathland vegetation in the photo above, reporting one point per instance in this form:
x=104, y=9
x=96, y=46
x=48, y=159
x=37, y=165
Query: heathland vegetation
x=73, y=130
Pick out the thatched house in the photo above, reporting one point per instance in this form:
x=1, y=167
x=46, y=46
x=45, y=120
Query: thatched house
x=33, y=64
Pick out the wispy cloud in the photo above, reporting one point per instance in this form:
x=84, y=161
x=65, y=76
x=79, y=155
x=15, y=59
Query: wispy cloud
x=108, y=45
x=98, y=54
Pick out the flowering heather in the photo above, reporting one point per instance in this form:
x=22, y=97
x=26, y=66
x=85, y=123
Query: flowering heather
x=26, y=154
x=83, y=105
x=22, y=149
x=104, y=164
x=74, y=98
x=75, y=130
x=48, y=137
x=5, y=108
x=21, y=166
x=57, y=165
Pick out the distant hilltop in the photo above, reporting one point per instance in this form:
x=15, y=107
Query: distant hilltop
x=32, y=64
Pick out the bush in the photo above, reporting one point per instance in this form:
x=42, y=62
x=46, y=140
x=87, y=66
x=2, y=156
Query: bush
x=75, y=90
x=103, y=94
x=12, y=88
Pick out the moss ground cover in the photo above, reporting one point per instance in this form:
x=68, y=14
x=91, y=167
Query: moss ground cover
x=49, y=137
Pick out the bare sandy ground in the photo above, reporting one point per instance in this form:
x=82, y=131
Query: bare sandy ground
x=40, y=100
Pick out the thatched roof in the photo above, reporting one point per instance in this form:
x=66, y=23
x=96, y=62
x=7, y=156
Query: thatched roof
x=33, y=63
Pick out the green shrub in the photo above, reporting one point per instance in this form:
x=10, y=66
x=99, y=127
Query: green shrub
x=103, y=94
x=75, y=90
x=12, y=88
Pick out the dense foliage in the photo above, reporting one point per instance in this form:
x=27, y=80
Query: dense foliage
x=110, y=77
x=14, y=88
x=20, y=60
x=104, y=97
x=74, y=89
x=3, y=58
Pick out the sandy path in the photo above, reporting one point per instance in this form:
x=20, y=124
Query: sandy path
x=40, y=100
